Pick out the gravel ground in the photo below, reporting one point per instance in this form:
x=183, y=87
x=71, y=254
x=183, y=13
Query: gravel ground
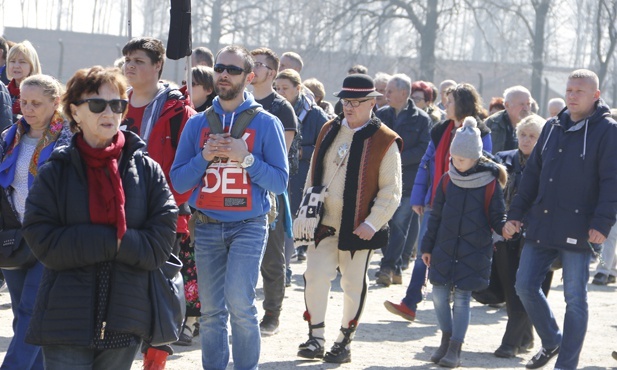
x=385, y=341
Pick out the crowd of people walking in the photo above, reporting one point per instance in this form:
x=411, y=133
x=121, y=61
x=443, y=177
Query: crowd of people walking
x=248, y=166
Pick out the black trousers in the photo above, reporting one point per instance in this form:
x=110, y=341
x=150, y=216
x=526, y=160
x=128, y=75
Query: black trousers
x=519, y=330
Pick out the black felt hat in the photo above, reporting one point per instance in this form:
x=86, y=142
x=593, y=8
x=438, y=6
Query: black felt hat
x=357, y=86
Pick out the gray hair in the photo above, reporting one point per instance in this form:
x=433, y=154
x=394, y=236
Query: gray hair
x=510, y=91
x=446, y=83
x=402, y=82
x=382, y=77
x=52, y=88
x=558, y=102
x=531, y=122
x=295, y=57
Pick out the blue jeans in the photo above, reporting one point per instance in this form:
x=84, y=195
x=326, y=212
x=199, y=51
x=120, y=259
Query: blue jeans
x=23, y=284
x=535, y=263
x=413, y=296
x=453, y=319
x=399, y=229
x=82, y=358
x=228, y=256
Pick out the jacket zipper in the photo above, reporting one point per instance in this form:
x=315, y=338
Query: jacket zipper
x=103, y=330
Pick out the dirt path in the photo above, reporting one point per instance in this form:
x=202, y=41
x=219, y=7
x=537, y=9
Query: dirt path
x=384, y=341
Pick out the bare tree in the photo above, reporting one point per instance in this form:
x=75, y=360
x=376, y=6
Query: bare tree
x=532, y=15
x=605, y=47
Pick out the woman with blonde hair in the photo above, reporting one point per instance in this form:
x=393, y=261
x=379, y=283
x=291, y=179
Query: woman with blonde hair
x=22, y=61
x=26, y=147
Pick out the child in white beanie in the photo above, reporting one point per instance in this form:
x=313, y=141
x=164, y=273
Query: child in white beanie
x=458, y=245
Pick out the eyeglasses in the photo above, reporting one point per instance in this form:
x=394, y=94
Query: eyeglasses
x=97, y=105
x=260, y=64
x=353, y=103
x=417, y=99
x=232, y=70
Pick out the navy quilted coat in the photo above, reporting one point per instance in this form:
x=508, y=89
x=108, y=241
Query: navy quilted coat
x=459, y=234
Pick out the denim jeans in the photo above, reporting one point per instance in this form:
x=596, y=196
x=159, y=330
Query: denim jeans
x=399, y=229
x=453, y=319
x=413, y=296
x=23, y=284
x=228, y=256
x=608, y=264
x=82, y=358
x=535, y=263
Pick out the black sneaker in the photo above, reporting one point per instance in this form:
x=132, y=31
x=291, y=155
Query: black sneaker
x=338, y=354
x=542, y=358
x=269, y=324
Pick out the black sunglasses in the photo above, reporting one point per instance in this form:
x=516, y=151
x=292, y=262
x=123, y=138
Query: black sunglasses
x=97, y=105
x=232, y=70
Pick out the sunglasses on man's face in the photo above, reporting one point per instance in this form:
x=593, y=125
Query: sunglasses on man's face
x=232, y=70
x=97, y=105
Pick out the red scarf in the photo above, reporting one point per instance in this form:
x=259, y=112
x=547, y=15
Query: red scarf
x=106, y=195
x=442, y=157
x=14, y=91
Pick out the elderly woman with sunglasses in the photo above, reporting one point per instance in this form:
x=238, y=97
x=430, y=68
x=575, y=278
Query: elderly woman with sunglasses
x=99, y=217
x=26, y=146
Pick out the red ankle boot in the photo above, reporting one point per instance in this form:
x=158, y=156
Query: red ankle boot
x=155, y=359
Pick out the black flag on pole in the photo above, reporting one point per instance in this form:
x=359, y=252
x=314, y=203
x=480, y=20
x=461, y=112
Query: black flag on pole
x=179, y=43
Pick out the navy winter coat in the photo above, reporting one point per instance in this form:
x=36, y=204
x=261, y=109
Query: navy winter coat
x=413, y=126
x=58, y=229
x=459, y=234
x=569, y=184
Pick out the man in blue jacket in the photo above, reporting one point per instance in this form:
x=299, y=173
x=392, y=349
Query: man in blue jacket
x=568, y=203
x=230, y=179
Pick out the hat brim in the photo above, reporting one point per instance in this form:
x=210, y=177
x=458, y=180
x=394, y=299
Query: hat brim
x=356, y=94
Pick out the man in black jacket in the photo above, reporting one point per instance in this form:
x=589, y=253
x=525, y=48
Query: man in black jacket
x=412, y=124
x=273, y=265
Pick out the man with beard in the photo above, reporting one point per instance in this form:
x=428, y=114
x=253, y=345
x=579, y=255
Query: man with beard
x=230, y=179
x=157, y=113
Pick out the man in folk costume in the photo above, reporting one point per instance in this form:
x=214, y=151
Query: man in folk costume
x=357, y=158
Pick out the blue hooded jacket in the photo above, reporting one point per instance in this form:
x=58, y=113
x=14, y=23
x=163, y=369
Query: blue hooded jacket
x=269, y=172
x=569, y=184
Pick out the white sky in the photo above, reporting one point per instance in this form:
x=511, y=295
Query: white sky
x=11, y=15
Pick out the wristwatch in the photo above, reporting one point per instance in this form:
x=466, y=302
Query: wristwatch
x=247, y=161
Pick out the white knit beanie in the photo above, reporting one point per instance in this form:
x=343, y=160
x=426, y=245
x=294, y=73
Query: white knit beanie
x=467, y=142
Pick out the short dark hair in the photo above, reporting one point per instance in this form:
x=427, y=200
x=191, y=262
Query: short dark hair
x=4, y=47
x=358, y=68
x=467, y=101
x=271, y=57
x=203, y=54
x=154, y=48
x=89, y=81
x=204, y=76
x=242, y=52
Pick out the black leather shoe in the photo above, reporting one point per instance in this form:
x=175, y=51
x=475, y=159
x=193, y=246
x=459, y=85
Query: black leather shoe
x=542, y=358
x=338, y=354
x=506, y=351
x=600, y=279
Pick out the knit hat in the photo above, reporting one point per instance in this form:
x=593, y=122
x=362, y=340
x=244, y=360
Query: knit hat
x=467, y=142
